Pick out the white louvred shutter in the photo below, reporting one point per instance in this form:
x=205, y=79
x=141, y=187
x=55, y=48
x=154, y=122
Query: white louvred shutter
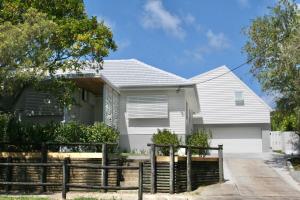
x=147, y=106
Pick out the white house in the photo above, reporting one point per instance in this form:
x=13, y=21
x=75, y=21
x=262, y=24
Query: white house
x=237, y=117
x=138, y=99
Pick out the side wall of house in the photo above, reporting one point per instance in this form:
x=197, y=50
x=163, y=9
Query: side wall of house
x=40, y=107
x=191, y=106
x=136, y=133
x=217, y=100
x=87, y=110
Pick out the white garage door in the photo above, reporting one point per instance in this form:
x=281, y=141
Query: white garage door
x=238, y=139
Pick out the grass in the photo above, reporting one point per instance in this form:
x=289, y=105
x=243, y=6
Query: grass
x=296, y=163
x=278, y=151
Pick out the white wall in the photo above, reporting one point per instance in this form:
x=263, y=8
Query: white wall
x=175, y=121
x=217, y=100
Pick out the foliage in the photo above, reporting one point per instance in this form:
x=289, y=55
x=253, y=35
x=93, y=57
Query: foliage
x=283, y=121
x=102, y=133
x=41, y=37
x=201, y=138
x=71, y=132
x=21, y=132
x=165, y=137
x=274, y=53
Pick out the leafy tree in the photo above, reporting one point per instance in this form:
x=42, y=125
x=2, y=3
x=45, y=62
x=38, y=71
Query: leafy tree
x=41, y=37
x=281, y=121
x=274, y=53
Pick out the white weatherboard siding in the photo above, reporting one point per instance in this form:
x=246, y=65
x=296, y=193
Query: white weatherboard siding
x=175, y=120
x=238, y=139
x=217, y=100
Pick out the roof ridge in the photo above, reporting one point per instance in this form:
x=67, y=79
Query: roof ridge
x=207, y=72
x=118, y=60
x=160, y=70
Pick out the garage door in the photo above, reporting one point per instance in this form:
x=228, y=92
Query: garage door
x=238, y=139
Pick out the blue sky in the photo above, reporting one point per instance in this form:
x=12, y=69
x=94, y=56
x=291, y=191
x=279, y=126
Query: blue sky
x=183, y=37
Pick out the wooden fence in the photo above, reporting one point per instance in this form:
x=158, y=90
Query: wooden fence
x=66, y=184
x=49, y=171
x=33, y=170
x=184, y=173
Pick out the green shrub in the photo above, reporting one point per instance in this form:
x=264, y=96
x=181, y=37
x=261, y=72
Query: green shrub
x=201, y=138
x=165, y=137
x=102, y=133
x=71, y=132
x=21, y=132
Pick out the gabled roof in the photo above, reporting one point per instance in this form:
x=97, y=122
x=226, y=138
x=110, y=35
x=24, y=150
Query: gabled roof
x=129, y=73
x=220, y=71
x=134, y=73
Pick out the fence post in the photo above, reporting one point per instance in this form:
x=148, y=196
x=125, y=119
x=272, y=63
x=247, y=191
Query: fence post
x=140, y=195
x=188, y=169
x=65, y=178
x=221, y=173
x=104, y=163
x=8, y=174
x=44, y=152
x=172, y=169
x=153, y=170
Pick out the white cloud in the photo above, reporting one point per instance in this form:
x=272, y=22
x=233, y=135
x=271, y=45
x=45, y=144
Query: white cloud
x=107, y=22
x=217, y=41
x=189, y=19
x=298, y=6
x=123, y=44
x=244, y=3
x=157, y=17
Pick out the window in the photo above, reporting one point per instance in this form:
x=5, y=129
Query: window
x=186, y=111
x=147, y=106
x=239, y=99
x=84, y=95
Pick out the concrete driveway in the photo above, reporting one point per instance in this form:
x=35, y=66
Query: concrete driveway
x=254, y=176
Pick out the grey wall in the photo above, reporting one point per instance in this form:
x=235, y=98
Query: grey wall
x=266, y=140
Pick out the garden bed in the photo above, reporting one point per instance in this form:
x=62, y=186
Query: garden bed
x=295, y=163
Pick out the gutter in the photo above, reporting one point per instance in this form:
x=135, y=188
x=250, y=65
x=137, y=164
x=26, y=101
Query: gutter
x=161, y=86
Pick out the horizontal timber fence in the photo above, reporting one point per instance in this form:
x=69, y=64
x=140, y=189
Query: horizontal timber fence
x=41, y=154
x=100, y=170
x=176, y=174
x=66, y=184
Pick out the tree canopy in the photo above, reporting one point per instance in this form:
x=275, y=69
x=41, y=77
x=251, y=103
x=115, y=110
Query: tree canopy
x=40, y=37
x=273, y=49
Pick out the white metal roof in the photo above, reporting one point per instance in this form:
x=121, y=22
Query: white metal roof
x=131, y=72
